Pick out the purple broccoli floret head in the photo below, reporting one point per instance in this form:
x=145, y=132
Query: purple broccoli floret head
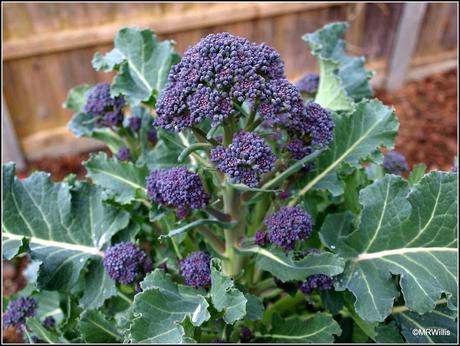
x=318, y=281
x=245, y=159
x=395, y=163
x=124, y=154
x=18, y=310
x=308, y=83
x=319, y=124
x=177, y=188
x=126, y=263
x=298, y=149
x=108, y=110
x=213, y=74
x=196, y=269
x=245, y=334
x=261, y=238
x=49, y=322
x=135, y=123
x=289, y=225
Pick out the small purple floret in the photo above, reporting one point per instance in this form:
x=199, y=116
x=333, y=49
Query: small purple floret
x=289, y=225
x=318, y=281
x=101, y=105
x=245, y=334
x=126, y=263
x=261, y=238
x=308, y=83
x=395, y=163
x=196, y=269
x=135, y=123
x=49, y=322
x=124, y=154
x=245, y=159
x=177, y=188
x=284, y=194
x=152, y=135
x=19, y=310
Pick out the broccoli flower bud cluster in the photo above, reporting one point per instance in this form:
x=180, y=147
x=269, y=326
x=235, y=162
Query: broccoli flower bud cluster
x=395, y=163
x=289, y=225
x=49, y=322
x=107, y=110
x=18, y=310
x=315, y=131
x=245, y=159
x=135, y=123
x=126, y=263
x=245, y=334
x=196, y=269
x=218, y=71
x=177, y=188
x=318, y=281
x=308, y=84
x=261, y=238
x=124, y=154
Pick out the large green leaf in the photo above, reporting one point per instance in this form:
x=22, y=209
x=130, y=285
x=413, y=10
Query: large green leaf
x=76, y=98
x=64, y=226
x=225, y=296
x=285, y=268
x=98, y=286
x=402, y=231
x=161, y=308
x=50, y=337
x=84, y=125
x=438, y=326
x=343, y=78
x=388, y=333
x=142, y=63
x=318, y=328
x=96, y=328
x=357, y=136
x=124, y=180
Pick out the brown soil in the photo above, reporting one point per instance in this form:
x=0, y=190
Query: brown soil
x=427, y=111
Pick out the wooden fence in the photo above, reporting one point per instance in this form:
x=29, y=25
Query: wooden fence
x=48, y=48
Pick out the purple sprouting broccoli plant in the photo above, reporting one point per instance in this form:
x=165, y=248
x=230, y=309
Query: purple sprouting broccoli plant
x=19, y=310
x=317, y=281
x=395, y=163
x=289, y=225
x=196, y=269
x=107, y=110
x=224, y=157
x=126, y=263
x=245, y=159
x=177, y=188
x=308, y=84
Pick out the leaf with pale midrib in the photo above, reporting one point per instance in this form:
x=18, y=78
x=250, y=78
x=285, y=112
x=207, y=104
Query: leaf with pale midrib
x=225, y=296
x=162, y=306
x=285, y=268
x=142, y=63
x=64, y=226
x=343, y=77
x=123, y=179
x=95, y=327
x=357, y=136
x=98, y=286
x=318, y=328
x=402, y=231
x=442, y=319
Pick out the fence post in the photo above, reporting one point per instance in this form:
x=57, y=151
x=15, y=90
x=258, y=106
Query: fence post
x=405, y=44
x=12, y=151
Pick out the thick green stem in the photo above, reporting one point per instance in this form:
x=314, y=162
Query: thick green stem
x=232, y=205
x=201, y=136
x=216, y=243
x=254, y=125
